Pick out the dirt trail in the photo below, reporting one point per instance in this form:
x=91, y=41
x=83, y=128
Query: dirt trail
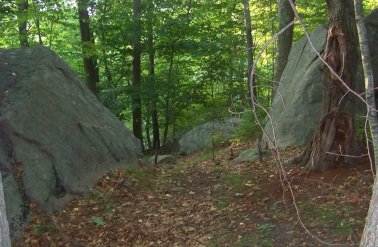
x=200, y=202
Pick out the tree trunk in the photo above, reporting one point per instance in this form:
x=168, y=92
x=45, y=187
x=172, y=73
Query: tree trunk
x=35, y=7
x=167, y=119
x=336, y=135
x=151, y=73
x=248, y=34
x=147, y=129
x=4, y=226
x=23, y=7
x=155, y=126
x=137, y=100
x=168, y=109
x=284, y=41
x=370, y=234
x=103, y=41
x=89, y=58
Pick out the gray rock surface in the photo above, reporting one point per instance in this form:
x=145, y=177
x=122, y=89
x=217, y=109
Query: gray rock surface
x=56, y=138
x=297, y=105
x=200, y=137
x=250, y=155
x=168, y=159
x=296, y=108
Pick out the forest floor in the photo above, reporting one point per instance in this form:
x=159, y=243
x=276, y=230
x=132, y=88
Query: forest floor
x=202, y=202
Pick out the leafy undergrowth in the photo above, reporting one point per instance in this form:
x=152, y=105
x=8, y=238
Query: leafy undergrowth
x=201, y=202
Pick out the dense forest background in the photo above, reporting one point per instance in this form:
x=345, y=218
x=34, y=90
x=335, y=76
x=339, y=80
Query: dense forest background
x=193, y=54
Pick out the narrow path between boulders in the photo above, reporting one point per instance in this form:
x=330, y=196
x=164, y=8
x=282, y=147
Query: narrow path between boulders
x=201, y=202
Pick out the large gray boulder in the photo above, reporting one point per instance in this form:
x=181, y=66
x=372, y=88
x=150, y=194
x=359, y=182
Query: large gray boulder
x=200, y=137
x=297, y=106
x=56, y=138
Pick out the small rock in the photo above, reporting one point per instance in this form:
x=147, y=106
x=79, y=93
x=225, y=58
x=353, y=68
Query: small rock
x=145, y=163
x=176, y=189
x=127, y=204
x=128, y=182
x=167, y=159
x=250, y=155
x=217, y=187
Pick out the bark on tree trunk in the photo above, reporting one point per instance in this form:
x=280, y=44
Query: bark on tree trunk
x=22, y=25
x=155, y=126
x=147, y=129
x=137, y=100
x=4, y=226
x=167, y=119
x=103, y=41
x=248, y=34
x=168, y=115
x=90, y=60
x=151, y=73
x=370, y=234
x=37, y=22
x=284, y=41
x=336, y=135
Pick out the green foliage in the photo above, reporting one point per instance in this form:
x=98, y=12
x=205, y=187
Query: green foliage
x=248, y=129
x=260, y=238
x=109, y=209
x=221, y=201
x=217, y=140
x=98, y=221
x=236, y=181
x=204, y=156
x=144, y=179
x=37, y=229
x=313, y=14
x=361, y=128
x=199, y=48
x=339, y=218
x=99, y=198
x=266, y=226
